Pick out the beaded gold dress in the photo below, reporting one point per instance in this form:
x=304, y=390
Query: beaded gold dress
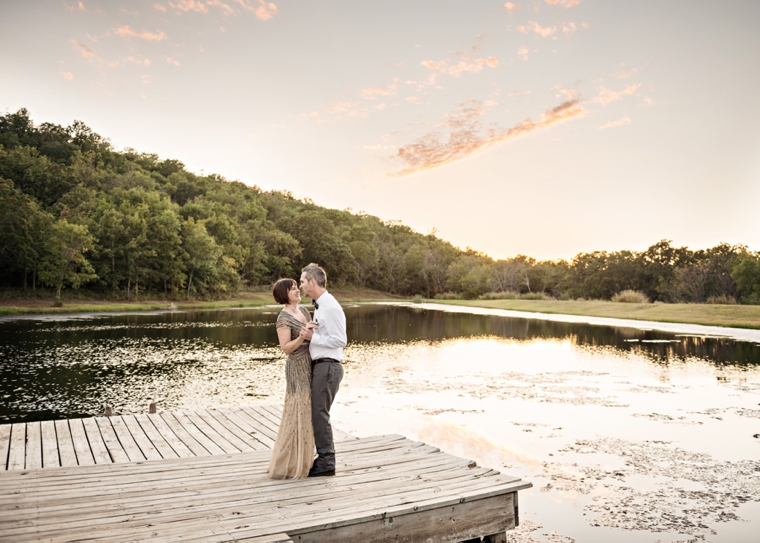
x=293, y=452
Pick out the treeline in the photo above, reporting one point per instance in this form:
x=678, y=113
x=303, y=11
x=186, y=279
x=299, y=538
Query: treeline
x=75, y=212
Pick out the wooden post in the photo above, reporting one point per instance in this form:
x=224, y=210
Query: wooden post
x=108, y=411
x=152, y=407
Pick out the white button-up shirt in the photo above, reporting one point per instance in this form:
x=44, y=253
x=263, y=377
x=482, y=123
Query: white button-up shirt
x=330, y=336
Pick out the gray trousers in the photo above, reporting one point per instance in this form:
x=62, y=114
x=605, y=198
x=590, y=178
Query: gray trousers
x=325, y=380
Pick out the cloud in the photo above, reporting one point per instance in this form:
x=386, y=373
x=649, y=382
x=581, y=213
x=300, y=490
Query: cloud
x=85, y=51
x=264, y=10
x=68, y=75
x=626, y=75
x=619, y=122
x=563, y=3
x=126, y=31
x=587, y=26
x=140, y=61
x=189, y=5
x=159, y=7
x=467, y=64
x=606, y=96
x=462, y=134
x=226, y=9
x=568, y=28
x=79, y=6
x=533, y=26
x=347, y=110
x=522, y=52
x=511, y=8
x=388, y=90
x=172, y=61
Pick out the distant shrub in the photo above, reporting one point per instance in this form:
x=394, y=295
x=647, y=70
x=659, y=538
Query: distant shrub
x=565, y=297
x=508, y=295
x=722, y=299
x=631, y=297
x=535, y=296
x=417, y=299
x=448, y=296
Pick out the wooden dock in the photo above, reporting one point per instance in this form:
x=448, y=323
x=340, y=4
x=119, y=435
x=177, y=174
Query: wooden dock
x=201, y=476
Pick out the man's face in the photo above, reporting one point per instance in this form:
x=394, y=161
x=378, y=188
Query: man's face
x=305, y=286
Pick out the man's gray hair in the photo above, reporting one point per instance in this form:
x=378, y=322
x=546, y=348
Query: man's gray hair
x=315, y=271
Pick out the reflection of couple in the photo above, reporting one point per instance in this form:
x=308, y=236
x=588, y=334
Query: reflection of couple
x=313, y=372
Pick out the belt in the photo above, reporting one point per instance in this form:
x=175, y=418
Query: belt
x=318, y=360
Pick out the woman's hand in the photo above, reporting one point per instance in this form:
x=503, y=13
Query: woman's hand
x=286, y=344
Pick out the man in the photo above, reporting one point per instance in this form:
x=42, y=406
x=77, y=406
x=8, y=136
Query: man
x=327, y=334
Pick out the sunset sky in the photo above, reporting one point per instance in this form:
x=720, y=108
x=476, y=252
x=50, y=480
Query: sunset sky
x=544, y=127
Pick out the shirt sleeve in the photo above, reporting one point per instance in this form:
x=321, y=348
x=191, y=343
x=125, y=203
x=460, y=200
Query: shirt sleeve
x=331, y=332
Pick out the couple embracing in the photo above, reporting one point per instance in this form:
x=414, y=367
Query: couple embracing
x=313, y=371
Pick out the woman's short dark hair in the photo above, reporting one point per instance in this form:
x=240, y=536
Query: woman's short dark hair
x=281, y=289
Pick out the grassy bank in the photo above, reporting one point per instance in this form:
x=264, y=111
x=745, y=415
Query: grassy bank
x=737, y=316
x=19, y=305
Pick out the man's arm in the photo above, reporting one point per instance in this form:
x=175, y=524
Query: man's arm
x=331, y=332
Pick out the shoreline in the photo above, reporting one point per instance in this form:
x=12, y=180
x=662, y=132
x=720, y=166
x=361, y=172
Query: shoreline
x=724, y=316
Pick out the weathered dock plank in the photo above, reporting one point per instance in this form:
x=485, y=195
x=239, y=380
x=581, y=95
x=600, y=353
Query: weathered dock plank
x=386, y=486
x=83, y=448
x=96, y=441
x=5, y=443
x=50, y=458
x=65, y=444
x=33, y=446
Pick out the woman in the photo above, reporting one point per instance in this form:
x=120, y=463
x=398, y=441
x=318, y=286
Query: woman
x=293, y=452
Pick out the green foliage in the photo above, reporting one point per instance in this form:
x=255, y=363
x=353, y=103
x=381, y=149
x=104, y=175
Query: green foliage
x=75, y=212
x=65, y=261
x=746, y=274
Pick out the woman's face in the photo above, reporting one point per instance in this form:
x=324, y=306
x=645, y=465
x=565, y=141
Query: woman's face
x=294, y=295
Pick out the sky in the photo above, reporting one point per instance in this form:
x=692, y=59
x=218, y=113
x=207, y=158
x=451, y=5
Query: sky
x=544, y=127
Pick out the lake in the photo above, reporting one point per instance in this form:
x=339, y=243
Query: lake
x=641, y=432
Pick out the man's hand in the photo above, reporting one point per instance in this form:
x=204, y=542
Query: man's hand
x=307, y=332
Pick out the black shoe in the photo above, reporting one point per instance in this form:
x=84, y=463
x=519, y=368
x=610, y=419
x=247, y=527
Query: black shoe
x=321, y=472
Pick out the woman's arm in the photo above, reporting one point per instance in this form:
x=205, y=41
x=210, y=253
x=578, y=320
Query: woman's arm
x=288, y=345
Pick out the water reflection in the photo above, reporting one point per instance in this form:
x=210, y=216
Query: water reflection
x=626, y=433
x=57, y=369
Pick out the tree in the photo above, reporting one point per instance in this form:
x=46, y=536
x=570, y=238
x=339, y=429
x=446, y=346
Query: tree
x=65, y=261
x=18, y=251
x=202, y=253
x=746, y=274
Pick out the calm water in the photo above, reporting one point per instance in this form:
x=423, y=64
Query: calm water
x=627, y=434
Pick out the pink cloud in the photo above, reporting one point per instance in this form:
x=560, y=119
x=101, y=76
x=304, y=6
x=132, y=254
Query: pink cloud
x=85, y=51
x=533, y=26
x=523, y=52
x=226, y=9
x=189, y=5
x=126, y=31
x=606, y=96
x=563, y=3
x=388, y=90
x=68, y=75
x=79, y=6
x=172, y=61
x=467, y=64
x=140, y=61
x=619, y=122
x=261, y=8
x=462, y=134
x=568, y=28
x=511, y=8
x=159, y=7
x=626, y=75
